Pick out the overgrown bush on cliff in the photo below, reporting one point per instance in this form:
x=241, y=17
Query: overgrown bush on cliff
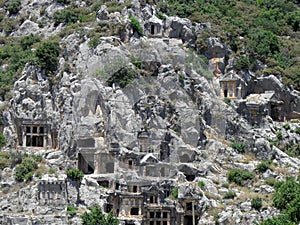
x=97, y=217
x=240, y=176
x=25, y=170
x=2, y=140
x=74, y=174
x=287, y=199
x=136, y=26
x=122, y=77
x=13, y=6
x=47, y=55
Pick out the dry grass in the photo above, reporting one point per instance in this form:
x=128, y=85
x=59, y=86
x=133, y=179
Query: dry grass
x=247, y=194
x=281, y=170
x=248, y=157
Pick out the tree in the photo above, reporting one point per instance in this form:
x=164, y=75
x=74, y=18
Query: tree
x=47, y=54
x=97, y=217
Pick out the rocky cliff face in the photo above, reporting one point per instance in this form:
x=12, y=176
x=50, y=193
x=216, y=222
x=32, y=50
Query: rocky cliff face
x=156, y=100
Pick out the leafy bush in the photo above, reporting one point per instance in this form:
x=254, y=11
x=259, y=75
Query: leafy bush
x=263, y=166
x=74, y=174
x=286, y=126
x=4, y=160
x=47, y=54
x=240, y=176
x=280, y=220
x=271, y=181
x=285, y=193
x=227, y=100
x=297, y=130
x=27, y=41
x=230, y=195
x=24, y=171
x=94, y=42
x=240, y=147
x=256, y=203
x=97, y=217
x=122, y=77
x=201, y=184
x=287, y=199
x=71, y=210
x=13, y=6
x=2, y=140
x=175, y=192
x=136, y=26
x=66, y=16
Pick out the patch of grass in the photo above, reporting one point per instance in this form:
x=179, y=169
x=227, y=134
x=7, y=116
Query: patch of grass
x=227, y=101
x=175, y=192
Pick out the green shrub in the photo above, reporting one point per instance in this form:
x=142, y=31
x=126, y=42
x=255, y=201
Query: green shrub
x=279, y=135
x=286, y=126
x=227, y=100
x=47, y=54
x=52, y=171
x=240, y=176
x=230, y=195
x=263, y=166
x=285, y=193
x=136, y=26
x=97, y=217
x=13, y=6
x=122, y=77
x=280, y=220
x=271, y=181
x=94, y=42
x=240, y=147
x=24, y=171
x=71, y=210
x=201, y=184
x=4, y=160
x=27, y=41
x=2, y=140
x=175, y=192
x=256, y=203
x=66, y=16
x=297, y=130
x=74, y=174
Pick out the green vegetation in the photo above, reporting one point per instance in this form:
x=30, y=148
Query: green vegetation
x=94, y=42
x=122, y=77
x=269, y=31
x=263, y=166
x=74, y=174
x=201, y=184
x=97, y=217
x=175, y=192
x=240, y=147
x=286, y=126
x=2, y=140
x=71, y=210
x=52, y=171
x=25, y=170
x=47, y=54
x=13, y=6
x=256, y=203
x=287, y=199
x=136, y=26
x=227, y=100
x=230, y=195
x=240, y=176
